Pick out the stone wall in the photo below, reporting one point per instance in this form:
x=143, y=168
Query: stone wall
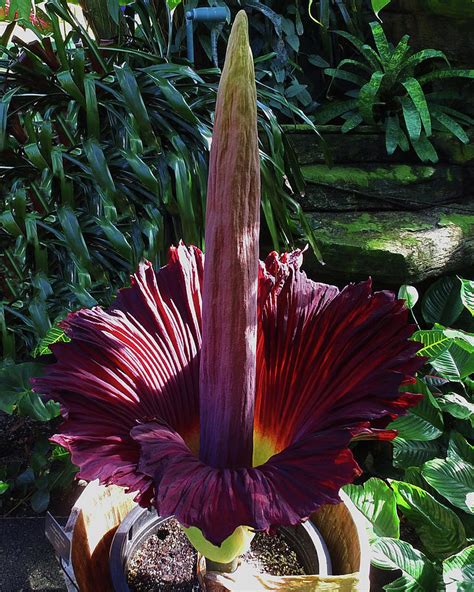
x=394, y=218
x=434, y=24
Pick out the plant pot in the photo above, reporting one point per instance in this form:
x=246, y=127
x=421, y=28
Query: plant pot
x=140, y=524
x=83, y=546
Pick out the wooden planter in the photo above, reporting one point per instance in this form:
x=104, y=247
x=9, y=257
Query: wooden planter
x=98, y=512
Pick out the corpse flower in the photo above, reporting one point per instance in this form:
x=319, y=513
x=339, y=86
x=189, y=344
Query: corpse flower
x=226, y=392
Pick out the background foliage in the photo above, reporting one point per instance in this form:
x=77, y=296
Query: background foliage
x=103, y=149
x=428, y=495
x=104, y=135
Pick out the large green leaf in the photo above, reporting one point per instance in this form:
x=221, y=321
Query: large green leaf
x=460, y=449
x=418, y=571
x=424, y=149
x=435, y=342
x=439, y=528
x=455, y=363
x=16, y=392
x=73, y=234
x=442, y=302
x=381, y=42
x=458, y=571
x=424, y=421
x=450, y=125
x=365, y=50
x=444, y=74
x=457, y=406
x=412, y=118
x=4, y=106
x=414, y=453
x=376, y=502
x=134, y=100
x=453, y=479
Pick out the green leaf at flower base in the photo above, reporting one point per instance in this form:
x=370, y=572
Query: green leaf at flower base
x=376, y=501
x=458, y=571
x=453, y=479
x=441, y=531
x=442, y=302
x=409, y=294
x=419, y=573
x=467, y=295
x=4, y=487
x=54, y=335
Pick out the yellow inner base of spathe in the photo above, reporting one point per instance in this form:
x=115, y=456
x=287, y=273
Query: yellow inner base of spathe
x=239, y=541
x=236, y=544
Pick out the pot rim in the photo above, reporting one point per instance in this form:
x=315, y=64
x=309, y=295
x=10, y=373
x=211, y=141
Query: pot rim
x=146, y=521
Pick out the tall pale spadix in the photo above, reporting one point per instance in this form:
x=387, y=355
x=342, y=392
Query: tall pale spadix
x=229, y=310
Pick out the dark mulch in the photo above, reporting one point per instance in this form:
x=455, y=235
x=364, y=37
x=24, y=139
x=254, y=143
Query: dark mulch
x=167, y=562
x=271, y=554
x=18, y=435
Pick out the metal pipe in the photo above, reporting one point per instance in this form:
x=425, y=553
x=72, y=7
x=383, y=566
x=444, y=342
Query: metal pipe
x=216, y=15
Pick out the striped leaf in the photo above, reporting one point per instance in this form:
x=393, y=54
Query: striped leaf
x=414, y=453
x=458, y=571
x=376, y=501
x=439, y=528
x=418, y=571
x=453, y=479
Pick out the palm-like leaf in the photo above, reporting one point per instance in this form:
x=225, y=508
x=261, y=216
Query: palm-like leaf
x=104, y=162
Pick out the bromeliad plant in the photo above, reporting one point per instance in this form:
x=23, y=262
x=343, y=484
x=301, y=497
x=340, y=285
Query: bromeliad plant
x=394, y=93
x=227, y=392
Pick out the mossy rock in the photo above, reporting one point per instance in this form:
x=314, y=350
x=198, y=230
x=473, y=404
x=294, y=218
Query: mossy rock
x=393, y=247
x=380, y=187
